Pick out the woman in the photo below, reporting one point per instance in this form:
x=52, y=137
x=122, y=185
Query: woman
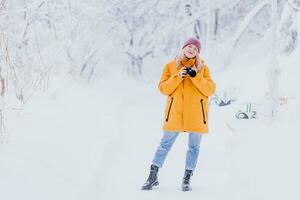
x=187, y=84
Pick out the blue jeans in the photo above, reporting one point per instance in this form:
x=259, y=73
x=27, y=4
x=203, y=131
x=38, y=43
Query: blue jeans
x=166, y=143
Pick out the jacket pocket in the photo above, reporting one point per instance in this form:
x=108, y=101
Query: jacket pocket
x=203, y=111
x=169, y=109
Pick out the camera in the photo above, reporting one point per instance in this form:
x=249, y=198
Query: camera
x=192, y=73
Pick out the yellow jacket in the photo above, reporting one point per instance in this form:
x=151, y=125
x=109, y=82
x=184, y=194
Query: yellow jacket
x=187, y=103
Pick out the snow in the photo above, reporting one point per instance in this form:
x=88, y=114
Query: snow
x=96, y=141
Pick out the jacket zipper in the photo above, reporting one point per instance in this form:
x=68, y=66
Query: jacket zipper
x=169, y=109
x=204, y=120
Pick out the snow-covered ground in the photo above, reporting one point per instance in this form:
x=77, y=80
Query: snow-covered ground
x=96, y=141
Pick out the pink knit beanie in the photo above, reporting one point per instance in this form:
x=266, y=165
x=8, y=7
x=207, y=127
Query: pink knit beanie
x=193, y=41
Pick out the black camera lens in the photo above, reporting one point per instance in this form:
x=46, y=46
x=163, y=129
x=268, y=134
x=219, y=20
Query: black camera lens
x=192, y=73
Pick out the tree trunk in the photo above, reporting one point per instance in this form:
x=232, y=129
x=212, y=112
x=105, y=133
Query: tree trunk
x=208, y=29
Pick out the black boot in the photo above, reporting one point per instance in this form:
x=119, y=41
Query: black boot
x=152, y=179
x=186, y=180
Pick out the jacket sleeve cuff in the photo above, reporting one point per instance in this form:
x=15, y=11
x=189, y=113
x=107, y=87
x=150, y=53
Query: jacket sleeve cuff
x=176, y=76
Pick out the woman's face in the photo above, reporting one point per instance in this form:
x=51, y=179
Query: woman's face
x=190, y=51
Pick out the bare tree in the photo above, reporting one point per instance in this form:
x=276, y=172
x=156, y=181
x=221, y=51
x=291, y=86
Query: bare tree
x=136, y=24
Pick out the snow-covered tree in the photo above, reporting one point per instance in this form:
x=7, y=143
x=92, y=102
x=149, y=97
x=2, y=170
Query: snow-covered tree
x=135, y=26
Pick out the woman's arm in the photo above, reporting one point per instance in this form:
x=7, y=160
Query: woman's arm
x=168, y=83
x=204, y=83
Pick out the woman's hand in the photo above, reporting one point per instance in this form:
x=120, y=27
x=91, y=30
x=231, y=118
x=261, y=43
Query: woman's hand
x=182, y=72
